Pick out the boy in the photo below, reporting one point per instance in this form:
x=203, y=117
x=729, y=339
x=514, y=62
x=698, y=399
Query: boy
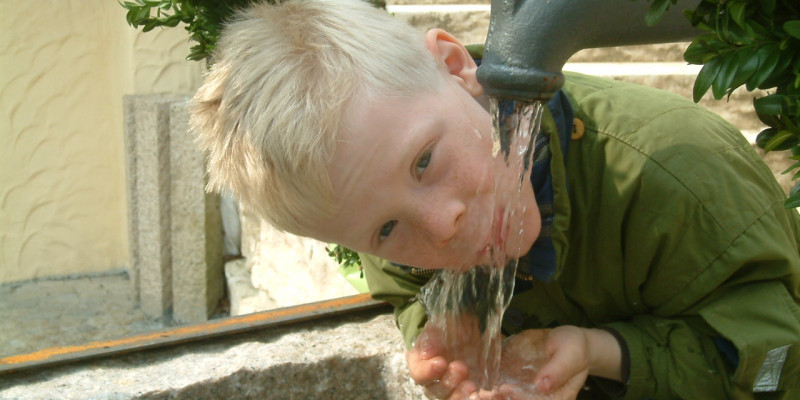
x=656, y=257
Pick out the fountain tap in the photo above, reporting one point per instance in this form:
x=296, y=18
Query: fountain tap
x=529, y=41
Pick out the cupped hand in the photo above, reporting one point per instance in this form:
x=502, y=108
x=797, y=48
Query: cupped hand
x=450, y=367
x=543, y=364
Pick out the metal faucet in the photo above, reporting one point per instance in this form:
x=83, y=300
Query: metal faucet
x=529, y=41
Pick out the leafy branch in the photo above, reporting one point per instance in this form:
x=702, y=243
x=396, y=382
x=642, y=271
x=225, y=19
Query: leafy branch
x=203, y=19
x=344, y=256
x=755, y=44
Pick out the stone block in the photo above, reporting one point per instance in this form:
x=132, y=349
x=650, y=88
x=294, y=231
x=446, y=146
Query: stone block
x=129, y=133
x=242, y=296
x=174, y=226
x=148, y=167
x=468, y=23
x=198, y=280
x=663, y=52
x=280, y=270
x=390, y=3
x=357, y=356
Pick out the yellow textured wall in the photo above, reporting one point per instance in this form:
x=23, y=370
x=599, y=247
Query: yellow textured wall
x=64, y=67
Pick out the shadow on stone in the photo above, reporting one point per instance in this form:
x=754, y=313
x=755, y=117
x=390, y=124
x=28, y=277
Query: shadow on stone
x=333, y=378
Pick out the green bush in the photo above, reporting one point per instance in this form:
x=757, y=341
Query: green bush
x=203, y=19
x=755, y=44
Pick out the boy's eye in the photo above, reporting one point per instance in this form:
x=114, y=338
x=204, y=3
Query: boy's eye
x=386, y=230
x=423, y=162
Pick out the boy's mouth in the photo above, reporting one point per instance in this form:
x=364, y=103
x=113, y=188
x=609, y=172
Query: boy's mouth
x=495, y=243
x=498, y=231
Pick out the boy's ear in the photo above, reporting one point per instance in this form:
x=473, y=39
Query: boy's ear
x=453, y=58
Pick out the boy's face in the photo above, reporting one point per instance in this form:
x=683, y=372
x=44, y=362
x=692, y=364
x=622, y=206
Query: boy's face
x=415, y=180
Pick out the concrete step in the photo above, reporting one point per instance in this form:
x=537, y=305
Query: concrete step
x=469, y=22
x=390, y=3
x=664, y=52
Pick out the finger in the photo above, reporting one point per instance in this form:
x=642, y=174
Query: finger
x=423, y=371
x=465, y=390
x=429, y=344
x=563, y=364
x=514, y=392
x=443, y=388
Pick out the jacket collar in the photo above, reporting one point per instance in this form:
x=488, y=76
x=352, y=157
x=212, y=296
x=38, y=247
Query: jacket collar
x=548, y=178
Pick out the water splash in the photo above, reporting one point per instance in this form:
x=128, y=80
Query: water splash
x=468, y=306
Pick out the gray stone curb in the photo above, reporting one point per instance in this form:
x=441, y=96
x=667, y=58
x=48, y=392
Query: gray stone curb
x=356, y=357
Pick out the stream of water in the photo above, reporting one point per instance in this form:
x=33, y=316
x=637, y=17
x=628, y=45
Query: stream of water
x=468, y=306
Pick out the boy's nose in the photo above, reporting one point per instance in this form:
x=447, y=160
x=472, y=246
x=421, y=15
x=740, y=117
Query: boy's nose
x=441, y=223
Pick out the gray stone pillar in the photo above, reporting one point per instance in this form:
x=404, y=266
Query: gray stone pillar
x=197, y=263
x=147, y=155
x=173, y=225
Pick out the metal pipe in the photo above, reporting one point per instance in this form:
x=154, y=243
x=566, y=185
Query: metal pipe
x=529, y=41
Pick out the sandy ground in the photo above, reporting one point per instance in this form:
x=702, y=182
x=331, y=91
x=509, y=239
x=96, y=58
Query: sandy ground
x=48, y=313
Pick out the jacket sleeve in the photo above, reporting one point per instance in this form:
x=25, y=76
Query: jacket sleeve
x=745, y=335
x=687, y=231
x=399, y=287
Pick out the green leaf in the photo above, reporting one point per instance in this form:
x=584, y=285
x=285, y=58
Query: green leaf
x=724, y=78
x=705, y=78
x=783, y=140
x=791, y=107
x=746, y=60
x=792, y=28
x=142, y=14
x=738, y=11
x=794, y=198
x=767, y=6
x=784, y=44
x=150, y=25
x=189, y=8
x=172, y=21
x=789, y=122
x=739, y=35
x=760, y=32
x=768, y=58
x=787, y=170
x=765, y=136
x=695, y=52
x=656, y=11
x=767, y=119
x=769, y=105
x=696, y=19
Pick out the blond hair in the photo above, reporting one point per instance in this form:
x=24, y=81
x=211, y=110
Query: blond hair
x=273, y=104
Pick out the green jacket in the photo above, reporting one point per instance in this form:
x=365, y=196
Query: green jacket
x=669, y=230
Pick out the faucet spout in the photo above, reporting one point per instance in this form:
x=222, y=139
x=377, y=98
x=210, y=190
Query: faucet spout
x=529, y=41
